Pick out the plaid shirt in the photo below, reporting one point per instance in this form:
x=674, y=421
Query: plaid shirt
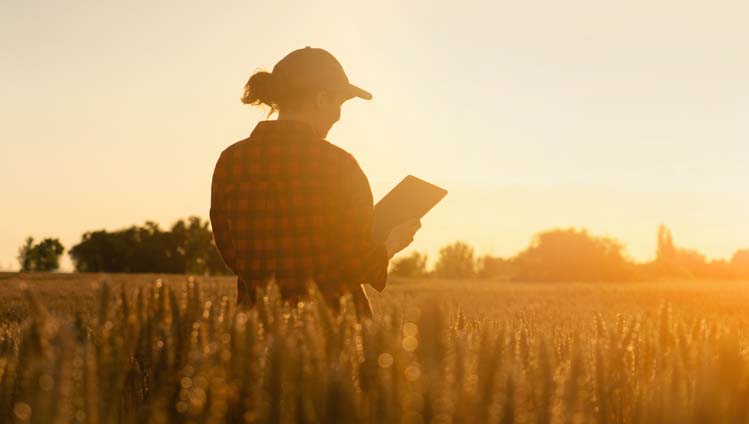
x=286, y=203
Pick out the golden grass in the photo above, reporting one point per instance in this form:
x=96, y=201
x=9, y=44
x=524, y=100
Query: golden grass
x=174, y=350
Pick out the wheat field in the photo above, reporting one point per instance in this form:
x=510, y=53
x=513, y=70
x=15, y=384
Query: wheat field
x=163, y=349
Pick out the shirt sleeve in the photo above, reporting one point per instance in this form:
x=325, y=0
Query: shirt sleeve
x=219, y=214
x=362, y=259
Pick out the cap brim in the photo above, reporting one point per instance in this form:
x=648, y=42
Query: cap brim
x=354, y=91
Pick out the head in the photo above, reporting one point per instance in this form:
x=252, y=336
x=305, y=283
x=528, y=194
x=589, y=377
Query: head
x=307, y=85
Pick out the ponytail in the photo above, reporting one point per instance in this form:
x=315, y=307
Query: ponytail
x=262, y=88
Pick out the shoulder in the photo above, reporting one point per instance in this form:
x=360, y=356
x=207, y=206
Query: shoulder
x=352, y=177
x=233, y=153
x=342, y=156
x=235, y=148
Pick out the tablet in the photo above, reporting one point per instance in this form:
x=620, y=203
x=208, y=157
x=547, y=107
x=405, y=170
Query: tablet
x=411, y=198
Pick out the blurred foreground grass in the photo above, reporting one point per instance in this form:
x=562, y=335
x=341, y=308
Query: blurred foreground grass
x=166, y=349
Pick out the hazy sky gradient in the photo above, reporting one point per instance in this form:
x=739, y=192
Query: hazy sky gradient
x=615, y=116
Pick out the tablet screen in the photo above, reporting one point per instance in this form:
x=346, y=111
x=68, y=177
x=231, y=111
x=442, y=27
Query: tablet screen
x=411, y=198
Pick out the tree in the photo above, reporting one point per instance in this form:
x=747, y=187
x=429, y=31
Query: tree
x=740, y=264
x=666, y=251
x=44, y=256
x=413, y=266
x=24, y=257
x=693, y=262
x=193, y=242
x=572, y=255
x=674, y=262
x=186, y=248
x=666, y=264
x=491, y=267
x=455, y=261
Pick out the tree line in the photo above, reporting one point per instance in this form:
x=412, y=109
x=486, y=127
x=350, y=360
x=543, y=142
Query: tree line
x=567, y=255
x=187, y=247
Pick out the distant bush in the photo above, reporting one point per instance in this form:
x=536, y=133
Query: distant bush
x=489, y=266
x=572, y=255
x=740, y=262
x=455, y=261
x=186, y=248
x=43, y=256
x=413, y=265
x=674, y=262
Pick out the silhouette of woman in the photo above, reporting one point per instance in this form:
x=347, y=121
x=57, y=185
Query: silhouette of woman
x=288, y=205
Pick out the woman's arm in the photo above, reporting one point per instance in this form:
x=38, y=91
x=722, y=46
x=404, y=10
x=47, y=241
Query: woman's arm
x=361, y=258
x=219, y=215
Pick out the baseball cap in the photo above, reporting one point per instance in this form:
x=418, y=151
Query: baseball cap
x=316, y=68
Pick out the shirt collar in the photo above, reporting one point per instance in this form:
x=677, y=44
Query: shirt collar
x=287, y=127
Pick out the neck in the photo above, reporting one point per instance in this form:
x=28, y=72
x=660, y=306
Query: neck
x=291, y=115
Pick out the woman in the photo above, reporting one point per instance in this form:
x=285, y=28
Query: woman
x=287, y=204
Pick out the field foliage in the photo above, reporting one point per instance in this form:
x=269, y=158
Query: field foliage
x=168, y=349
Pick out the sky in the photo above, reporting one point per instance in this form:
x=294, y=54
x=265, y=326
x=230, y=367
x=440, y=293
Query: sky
x=615, y=116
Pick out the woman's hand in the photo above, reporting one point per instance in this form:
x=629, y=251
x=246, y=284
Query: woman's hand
x=401, y=236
